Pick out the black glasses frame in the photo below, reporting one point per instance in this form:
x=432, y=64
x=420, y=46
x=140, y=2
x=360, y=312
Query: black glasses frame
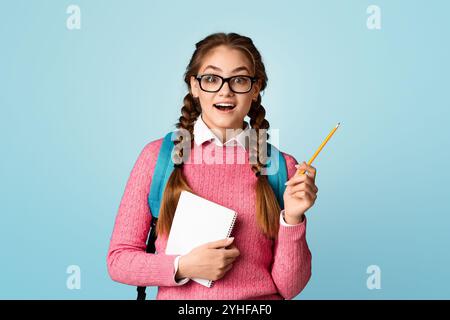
x=199, y=79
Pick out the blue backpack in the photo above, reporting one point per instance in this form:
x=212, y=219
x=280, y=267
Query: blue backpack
x=163, y=169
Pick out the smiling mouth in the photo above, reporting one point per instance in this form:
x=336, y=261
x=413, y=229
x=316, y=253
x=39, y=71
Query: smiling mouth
x=224, y=106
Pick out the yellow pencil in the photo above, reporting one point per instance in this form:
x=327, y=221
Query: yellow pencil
x=320, y=148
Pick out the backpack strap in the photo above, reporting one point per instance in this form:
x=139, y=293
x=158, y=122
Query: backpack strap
x=279, y=175
x=163, y=170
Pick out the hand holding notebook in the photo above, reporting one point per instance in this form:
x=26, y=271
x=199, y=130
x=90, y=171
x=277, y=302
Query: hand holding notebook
x=198, y=221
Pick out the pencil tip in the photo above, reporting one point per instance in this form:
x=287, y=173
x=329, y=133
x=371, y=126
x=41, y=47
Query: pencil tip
x=338, y=124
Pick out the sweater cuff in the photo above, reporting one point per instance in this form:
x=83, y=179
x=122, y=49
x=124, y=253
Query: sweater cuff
x=181, y=281
x=284, y=223
x=165, y=271
x=291, y=232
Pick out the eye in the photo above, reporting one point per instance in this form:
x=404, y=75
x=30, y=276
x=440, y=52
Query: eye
x=240, y=80
x=210, y=79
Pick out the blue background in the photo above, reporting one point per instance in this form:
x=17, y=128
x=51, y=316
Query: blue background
x=77, y=107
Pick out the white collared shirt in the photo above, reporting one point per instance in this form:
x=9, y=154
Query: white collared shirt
x=203, y=133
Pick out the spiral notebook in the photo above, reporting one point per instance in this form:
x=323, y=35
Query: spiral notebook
x=196, y=222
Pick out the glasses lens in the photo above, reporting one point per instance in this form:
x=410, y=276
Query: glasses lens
x=240, y=84
x=210, y=82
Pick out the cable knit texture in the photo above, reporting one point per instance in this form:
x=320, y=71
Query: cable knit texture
x=265, y=269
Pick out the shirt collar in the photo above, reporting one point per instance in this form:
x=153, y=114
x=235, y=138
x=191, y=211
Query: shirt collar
x=203, y=133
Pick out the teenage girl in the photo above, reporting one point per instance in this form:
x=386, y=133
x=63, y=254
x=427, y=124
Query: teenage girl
x=268, y=256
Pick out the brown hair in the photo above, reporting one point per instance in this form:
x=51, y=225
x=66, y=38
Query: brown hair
x=267, y=206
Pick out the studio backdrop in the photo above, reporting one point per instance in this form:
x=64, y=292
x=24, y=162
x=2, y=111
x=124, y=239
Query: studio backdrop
x=85, y=85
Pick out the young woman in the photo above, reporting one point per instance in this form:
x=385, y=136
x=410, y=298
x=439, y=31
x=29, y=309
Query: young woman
x=268, y=256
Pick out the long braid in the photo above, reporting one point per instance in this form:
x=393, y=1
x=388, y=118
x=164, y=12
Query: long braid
x=177, y=183
x=257, y=115
x=189, y=114
x=268, y=208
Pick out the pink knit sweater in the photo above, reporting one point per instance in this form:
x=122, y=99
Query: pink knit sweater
x=265, y=269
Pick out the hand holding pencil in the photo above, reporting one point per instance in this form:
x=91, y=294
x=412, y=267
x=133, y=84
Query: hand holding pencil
x=301, y=191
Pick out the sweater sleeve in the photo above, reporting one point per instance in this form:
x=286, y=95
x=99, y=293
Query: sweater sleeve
x=291, y=269
x=127, y=260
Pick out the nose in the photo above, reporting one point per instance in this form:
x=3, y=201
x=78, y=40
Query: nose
x=225, y=90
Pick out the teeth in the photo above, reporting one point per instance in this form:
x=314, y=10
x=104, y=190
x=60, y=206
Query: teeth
x=224, y=105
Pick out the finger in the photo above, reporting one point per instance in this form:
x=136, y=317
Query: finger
x=302, y=186
x=305, y=169
x=308, y=183
x=229, y=260
x=232, y=253
x=310, y=170
x=302, y=179
x=305, y=195
x=228, y=267
x=296, y=179
x=219, y=243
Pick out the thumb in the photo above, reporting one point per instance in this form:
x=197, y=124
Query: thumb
x=220, y=243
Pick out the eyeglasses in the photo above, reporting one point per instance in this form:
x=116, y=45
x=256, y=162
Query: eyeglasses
x=237, y=84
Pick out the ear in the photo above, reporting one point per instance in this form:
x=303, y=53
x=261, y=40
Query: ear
x=256, y=90
x=194, y=87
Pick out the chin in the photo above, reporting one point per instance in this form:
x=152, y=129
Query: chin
x=223, y=123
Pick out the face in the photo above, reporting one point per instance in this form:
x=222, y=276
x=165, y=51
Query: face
x=225, y=62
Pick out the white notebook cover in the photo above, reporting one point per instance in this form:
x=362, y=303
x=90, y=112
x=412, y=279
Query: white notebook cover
x=196, y=222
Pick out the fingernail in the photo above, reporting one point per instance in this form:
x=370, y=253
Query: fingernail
x=230, y=239
x=286, y=183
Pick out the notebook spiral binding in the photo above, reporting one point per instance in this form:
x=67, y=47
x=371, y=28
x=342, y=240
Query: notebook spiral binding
x=232, y=225
x=228, y=235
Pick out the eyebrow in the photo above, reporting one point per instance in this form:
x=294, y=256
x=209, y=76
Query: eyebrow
x=235, y=70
